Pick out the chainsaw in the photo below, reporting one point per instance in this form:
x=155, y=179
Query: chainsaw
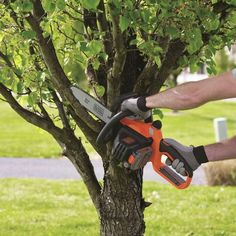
x=135, y=142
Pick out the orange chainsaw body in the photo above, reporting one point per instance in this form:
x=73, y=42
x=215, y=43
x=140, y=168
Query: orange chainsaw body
x=148, y=130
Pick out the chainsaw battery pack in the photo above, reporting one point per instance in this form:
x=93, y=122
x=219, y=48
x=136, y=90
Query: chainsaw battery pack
x=128, y=142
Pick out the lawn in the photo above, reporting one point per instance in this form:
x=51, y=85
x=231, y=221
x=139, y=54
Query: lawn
x=20, y=139
x=195, y=127
x=47, y=207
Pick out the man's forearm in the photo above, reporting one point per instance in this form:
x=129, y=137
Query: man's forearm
x=221, y=151
x=179, y=98
x=193, y=94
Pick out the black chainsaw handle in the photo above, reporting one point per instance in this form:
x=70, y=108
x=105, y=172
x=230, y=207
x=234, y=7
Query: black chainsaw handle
x=111, y=124
x=173, y=154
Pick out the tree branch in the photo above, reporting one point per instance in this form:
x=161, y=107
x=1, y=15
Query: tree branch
x=113, y=83
x=104, y=27
x=41, y=122
x=43, y=111
x=10, y=65
x=153, y=78
x=89, y=134
x=145, y=77
x=90, y=21
x=74, y=148
x=80, y=159
x=6, y=59
x=61, y=110
x=58, y=76
x=96, y=22
x=175, y=50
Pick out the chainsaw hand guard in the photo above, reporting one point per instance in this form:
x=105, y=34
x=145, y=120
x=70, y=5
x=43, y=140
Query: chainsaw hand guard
x=131, y=148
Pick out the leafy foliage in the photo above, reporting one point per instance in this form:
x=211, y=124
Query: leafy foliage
x=198, y=24
x=107, y=47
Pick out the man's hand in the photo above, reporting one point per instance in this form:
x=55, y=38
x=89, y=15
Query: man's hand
x=137, y=106
x=187, y=152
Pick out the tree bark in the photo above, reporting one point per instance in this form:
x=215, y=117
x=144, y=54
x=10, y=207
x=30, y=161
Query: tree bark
x=80, y=159
x=121, y=204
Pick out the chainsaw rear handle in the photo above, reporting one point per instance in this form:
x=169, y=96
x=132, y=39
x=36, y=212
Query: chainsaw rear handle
x=102, y=136
x=173, y=154
x=170, y=174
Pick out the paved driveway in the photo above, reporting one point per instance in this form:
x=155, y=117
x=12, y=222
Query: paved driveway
x=62, y=168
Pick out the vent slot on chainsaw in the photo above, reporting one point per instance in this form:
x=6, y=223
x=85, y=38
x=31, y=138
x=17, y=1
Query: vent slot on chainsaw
x=128, y=141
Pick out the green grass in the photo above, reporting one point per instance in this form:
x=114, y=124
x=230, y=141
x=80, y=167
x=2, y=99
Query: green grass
x=195, y=126
x=47, y=207
x=20, y=139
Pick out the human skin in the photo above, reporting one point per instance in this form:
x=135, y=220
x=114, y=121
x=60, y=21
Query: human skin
x=194, y=94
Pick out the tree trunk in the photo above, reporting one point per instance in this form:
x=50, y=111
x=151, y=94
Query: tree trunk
x=122, y=204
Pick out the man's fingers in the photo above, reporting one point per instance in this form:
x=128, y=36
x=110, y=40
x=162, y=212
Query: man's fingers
x=182, y=171
x=175, y=163
x=179, y=166
x=168, y=162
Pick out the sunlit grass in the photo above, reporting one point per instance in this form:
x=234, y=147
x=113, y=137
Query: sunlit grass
x=47, y=207
x=20, y=139
x=195, y=127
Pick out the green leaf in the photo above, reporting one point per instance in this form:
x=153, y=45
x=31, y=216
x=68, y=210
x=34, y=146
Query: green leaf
x=124, y=23
x=183, y=61
x=233, y=2
x=117, y=3
x=49, y=7
x=146, y=14
x=27, y=6
x=6, y=76
x=172, y=31
x=46, y=34
x=46, y=25
x=193, y=68
x=82, y=46
x=17, y=71
x=23, y=6
x=90, y=4
x=193, y=64
x=2, y=79
x=100, y=90
x=211, y=23
x=232, y=19
x=158, y=112
x=2, y=26
x=28, y=34
x=61, y=4
x=195, y=40
x=20, y=86
x=96, y=64
x=133, y=42
x=32, y=99
x=158, y=61
x=95, y=46
x=209, y=71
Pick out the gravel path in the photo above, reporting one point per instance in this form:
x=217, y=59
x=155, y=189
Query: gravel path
x=62, y=168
